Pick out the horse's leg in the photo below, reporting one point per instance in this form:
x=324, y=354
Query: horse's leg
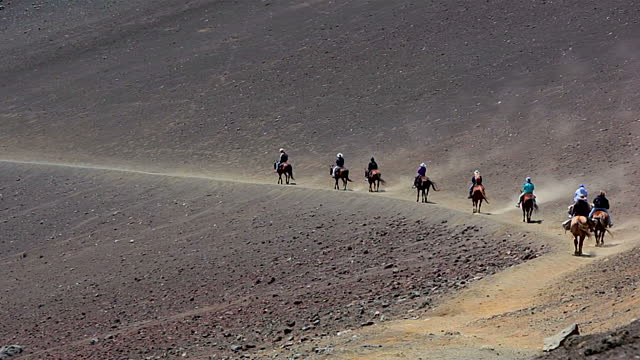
x=426, y=195
x=286, y=176
x=575, y=245
x=523, y=212
x=344, y=182
x=580, y=246
x=417, y=194
x=479, y=206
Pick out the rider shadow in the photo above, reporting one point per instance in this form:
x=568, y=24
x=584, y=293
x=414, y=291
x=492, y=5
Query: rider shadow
x=536, y=221
x=292, y=183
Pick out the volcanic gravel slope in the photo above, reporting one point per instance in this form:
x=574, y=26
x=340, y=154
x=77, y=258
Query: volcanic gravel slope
x=544, y=88
x=155, y=267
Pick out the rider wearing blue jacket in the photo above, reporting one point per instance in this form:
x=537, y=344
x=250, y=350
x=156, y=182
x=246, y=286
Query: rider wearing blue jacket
x=527, y=188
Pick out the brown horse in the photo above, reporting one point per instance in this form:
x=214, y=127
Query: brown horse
x=340, y=173
x=287, y=170
x=601, y=220
x=375, y=178
x=422, y=185
x=580, y=229
x=528, y=207
x=477, y=196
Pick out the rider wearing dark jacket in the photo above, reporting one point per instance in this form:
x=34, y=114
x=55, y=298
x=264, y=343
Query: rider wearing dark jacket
x=600, y=203
x=282, y=159
x=581, y=208
x=372, y=166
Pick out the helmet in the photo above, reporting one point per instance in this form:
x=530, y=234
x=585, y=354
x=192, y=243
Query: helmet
x=372, y=159
x=528, y=179
x=339, y=155
x=477, y=172
x=581, y=185
x=423, y=165
x=281, y=149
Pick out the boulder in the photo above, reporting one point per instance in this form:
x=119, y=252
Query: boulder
x=554, y=342
x=9, y=350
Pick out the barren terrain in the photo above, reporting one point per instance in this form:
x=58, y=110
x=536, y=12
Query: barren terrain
x=139, y=216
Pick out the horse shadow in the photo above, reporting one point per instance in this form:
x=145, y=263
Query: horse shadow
x=610, y=245
x=536, y=221
x=586, y=256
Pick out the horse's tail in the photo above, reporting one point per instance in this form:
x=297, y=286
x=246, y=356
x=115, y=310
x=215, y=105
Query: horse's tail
x=433, y=185
x=585, y=228
x=382, y=180
x=291, y=172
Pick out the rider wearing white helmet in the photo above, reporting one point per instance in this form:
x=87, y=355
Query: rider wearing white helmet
x=282, y=159
x=475, y=180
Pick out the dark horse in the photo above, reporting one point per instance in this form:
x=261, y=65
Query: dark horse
x=477, y=195
x=601, y=220
x=423, y=184
x=340, y=173
x=528, y=207
x=287, y=170
x=375, y=178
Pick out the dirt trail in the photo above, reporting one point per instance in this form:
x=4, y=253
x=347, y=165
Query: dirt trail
x=475, y=312
x=476, y=322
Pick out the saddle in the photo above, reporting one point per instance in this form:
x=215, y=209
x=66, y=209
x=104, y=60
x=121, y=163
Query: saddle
x=374, y=172
x=283, y=165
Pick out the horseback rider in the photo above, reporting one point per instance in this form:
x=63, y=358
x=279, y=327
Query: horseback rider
x=600, y=203
x=581, y=191
x=527, y=188
x=475, y=180
x=420, y=173
x=282, y=159
x=373, y=165
x=580, y=208
x=339, y=163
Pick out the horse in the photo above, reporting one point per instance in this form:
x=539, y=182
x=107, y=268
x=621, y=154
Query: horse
x=423, y=184
x=528, y=207
x=601, y=220
x=287, y=170
x=477, y=195
x=375, y=178
x=580, y=229
x=340, y=173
